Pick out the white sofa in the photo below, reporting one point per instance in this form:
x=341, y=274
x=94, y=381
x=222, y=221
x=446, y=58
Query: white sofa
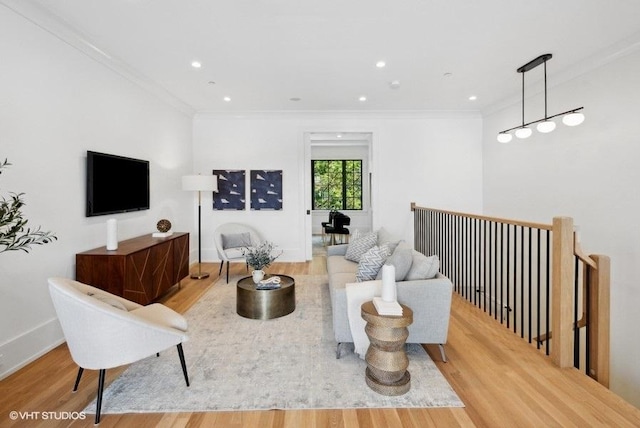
x=429, y=299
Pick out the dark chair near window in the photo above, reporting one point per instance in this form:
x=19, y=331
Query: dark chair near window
x=326, y=224
x=340, y=220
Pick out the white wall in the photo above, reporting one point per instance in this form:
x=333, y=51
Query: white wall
x=57, y=103
x=431, y=159
x=589, y=173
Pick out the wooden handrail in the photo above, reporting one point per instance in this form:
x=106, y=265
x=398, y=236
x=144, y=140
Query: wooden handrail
x=579, y=253
x=488, y=218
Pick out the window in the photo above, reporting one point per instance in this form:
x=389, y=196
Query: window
x=337, y=184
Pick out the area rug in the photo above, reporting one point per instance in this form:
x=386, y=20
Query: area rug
x=285, y=363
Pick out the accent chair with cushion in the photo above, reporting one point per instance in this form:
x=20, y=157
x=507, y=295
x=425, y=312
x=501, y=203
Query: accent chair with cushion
x=105, y=331
x=231, y=239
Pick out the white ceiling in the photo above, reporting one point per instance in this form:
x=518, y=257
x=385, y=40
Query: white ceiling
x=262, y=53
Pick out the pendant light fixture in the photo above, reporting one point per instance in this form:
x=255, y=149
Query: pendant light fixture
x=545, y=125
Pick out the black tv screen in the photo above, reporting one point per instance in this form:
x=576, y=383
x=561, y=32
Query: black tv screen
x=116, y=184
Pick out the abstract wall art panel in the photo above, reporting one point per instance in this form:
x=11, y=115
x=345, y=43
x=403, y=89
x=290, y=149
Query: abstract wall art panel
x=231, y=190
x=266, y=189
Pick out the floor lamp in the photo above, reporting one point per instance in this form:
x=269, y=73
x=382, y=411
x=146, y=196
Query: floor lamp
x=200, y=183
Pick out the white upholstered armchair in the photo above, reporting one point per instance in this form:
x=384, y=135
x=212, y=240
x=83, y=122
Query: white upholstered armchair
x=231, y=239
x=105, y=331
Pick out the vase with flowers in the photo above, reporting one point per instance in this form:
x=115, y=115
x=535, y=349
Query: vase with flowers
x=259, y=258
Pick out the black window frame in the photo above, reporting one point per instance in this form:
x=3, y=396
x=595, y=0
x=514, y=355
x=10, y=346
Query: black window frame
x=344, y=181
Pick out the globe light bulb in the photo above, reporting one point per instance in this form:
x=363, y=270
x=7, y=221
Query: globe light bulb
x=573, y=119
x=523, y=132
x=504, y=138
x=546, y=126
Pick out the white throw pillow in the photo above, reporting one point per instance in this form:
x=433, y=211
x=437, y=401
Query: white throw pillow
x=385, y=238
x=236, y=240
x=371, y=262
x=423, y=267
x=360, y=245
x=401, y=260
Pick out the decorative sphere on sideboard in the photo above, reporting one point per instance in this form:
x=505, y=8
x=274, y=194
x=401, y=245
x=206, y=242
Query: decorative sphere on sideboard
x=164, y=225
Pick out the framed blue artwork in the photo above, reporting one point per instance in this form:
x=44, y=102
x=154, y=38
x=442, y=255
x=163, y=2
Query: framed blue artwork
x=231, y=190
x=266, y=189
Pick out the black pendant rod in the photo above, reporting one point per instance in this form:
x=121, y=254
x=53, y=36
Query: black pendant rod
x=523, y=100
x=545, y=89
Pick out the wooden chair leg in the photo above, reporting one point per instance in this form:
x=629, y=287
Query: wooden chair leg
x=182, y=363
x=75, y=386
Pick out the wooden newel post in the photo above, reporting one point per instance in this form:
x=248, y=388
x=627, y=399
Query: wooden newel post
x=599, y=305
x=562, y=292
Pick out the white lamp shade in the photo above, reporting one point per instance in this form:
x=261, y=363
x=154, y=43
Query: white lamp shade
x=200, y=182
x=573, y=119
x=523, y=132
x=504, y=138
x=546, y=126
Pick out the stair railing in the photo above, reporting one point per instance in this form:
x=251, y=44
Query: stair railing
x=533, y=278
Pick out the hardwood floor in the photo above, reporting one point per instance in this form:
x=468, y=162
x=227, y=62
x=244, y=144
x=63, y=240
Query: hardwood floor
x=503, y=381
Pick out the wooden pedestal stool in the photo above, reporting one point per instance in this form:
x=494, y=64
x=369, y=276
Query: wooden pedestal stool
x=386, y=358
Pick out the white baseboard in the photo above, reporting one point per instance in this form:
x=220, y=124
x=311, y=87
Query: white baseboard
x=29, y=346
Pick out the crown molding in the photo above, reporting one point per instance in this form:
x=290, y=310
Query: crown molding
x=72, y=37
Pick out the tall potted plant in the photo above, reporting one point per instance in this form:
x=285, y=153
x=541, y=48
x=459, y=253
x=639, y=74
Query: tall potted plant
x=14, y=235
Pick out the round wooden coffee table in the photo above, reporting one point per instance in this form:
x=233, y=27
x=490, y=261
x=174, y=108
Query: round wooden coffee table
x=386, y=358
x=265, y=304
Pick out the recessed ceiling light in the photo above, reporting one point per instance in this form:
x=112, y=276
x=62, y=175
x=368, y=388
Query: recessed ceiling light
x=227, y=99
x=447, y=74
x=295, y=99
x=394, y=84
x=339, y=135
x=196, y=64
x=473, y=98
x=211, y=82
x=362, y=98
x=381, y=64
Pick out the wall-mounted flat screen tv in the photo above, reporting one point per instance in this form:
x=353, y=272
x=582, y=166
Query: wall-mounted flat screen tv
x=116, y=184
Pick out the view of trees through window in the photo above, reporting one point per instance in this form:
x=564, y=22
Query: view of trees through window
x=337, y=184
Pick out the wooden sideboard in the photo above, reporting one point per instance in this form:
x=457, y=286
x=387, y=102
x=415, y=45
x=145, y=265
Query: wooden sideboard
x=141, y=269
